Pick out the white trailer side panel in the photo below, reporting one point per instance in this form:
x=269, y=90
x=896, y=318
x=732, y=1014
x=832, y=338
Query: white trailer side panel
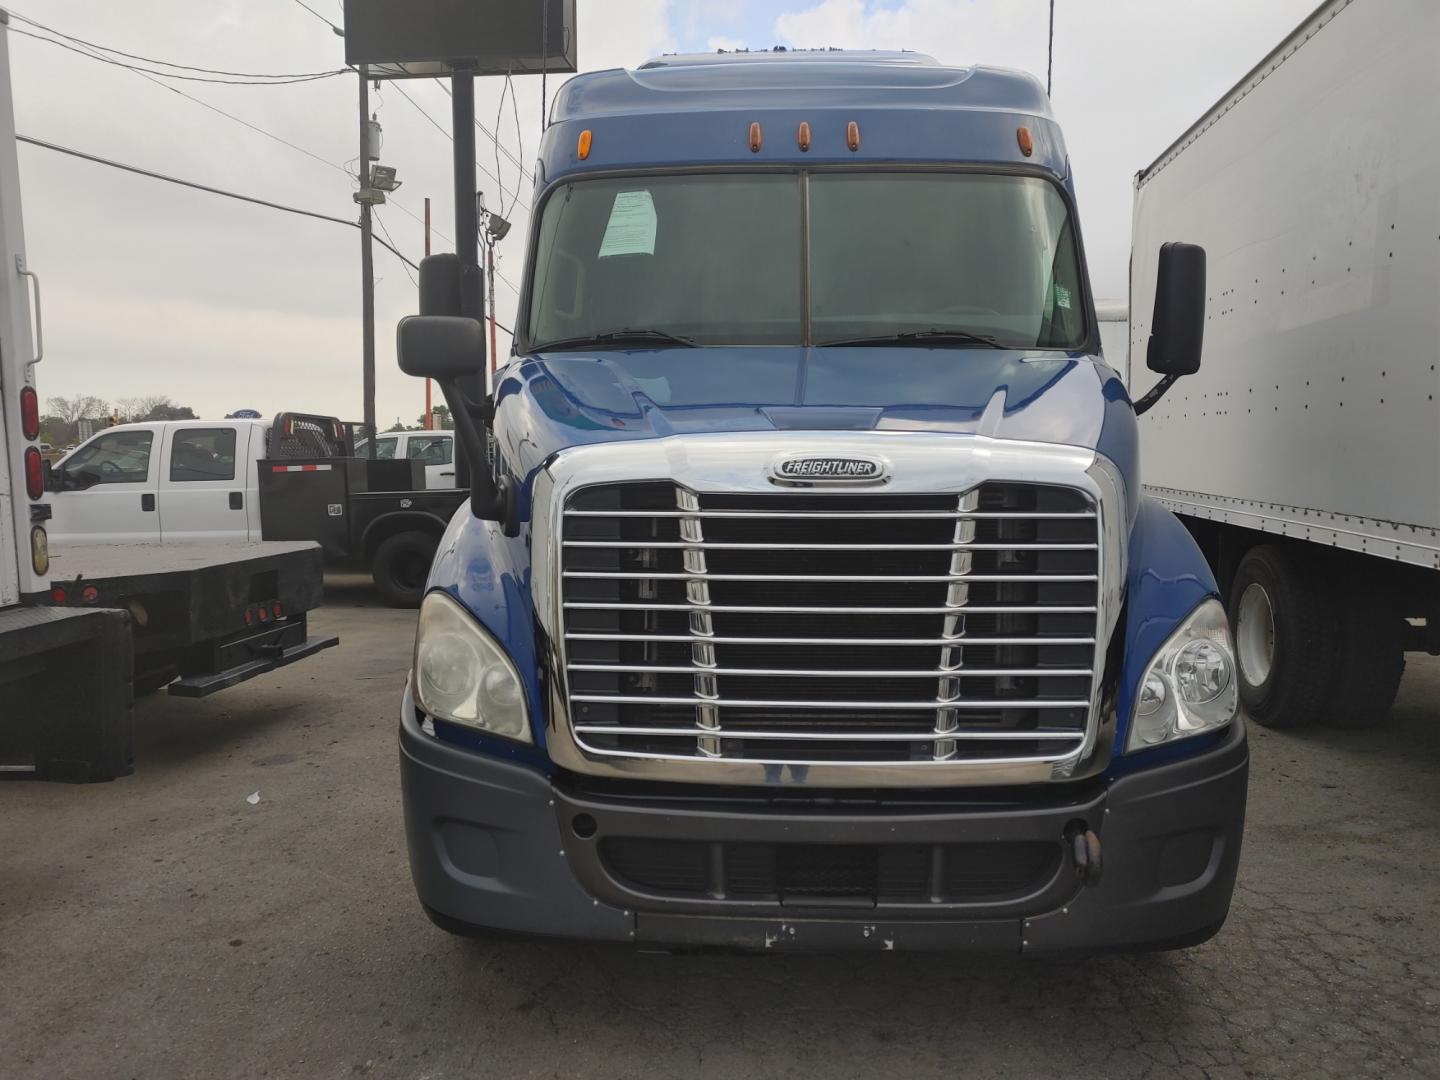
x=17, y=575
x=1314, y=187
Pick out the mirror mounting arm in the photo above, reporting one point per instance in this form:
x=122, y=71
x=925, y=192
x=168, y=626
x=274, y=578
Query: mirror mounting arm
x=1155, y=393
x=491, y=499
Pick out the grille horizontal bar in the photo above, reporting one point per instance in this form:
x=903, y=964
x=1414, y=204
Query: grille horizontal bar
x=1028, y=735
x=930, y=705
x=691, y=638
x=1010, y=609
x=707, y=545
x=943, y=515
x=651, y=575
x=847, y=673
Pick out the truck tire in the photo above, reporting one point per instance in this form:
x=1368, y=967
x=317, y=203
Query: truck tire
x=1285, y=635
x=401, y=565
x=1371, y=656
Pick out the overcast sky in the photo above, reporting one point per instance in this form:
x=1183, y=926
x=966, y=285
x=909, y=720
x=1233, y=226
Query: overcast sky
x=150, y=288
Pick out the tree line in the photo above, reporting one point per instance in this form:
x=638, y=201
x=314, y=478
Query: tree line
x=60, y=426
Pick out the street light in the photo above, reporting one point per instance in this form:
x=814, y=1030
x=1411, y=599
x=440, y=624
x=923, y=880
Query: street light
x=382, y=178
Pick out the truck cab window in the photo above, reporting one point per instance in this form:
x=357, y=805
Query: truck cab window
x=716, y=260
x=901, y=253
x=120, y=457
x=431, y=449
x=203, y=454
x=713, y=259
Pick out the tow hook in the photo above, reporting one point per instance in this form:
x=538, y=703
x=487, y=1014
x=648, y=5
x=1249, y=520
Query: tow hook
x=1084, y=852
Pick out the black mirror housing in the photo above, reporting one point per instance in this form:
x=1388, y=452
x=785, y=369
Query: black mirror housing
x=440, y=284
x=441, y=347
x=1177, y=330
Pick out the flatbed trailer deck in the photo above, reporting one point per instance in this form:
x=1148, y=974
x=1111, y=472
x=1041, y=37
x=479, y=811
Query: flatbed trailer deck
x=212, y=613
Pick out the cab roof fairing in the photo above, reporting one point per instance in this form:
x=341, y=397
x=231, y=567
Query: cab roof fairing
x=697, y=112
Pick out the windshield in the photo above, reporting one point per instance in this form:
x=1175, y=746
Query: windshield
x=966, y=259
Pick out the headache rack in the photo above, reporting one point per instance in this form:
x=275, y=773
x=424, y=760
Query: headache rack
x=804, y=629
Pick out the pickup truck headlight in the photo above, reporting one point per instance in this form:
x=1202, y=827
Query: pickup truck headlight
x=1189, y=687
x=463, y=675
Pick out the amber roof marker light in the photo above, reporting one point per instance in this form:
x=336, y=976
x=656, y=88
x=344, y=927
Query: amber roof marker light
x=583, y=147
x=757, y=140
x=1026, y=140
x=802, y=136
x=852, y=135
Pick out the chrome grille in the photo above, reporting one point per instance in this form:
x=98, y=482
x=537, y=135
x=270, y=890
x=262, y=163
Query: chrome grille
x=799, y=628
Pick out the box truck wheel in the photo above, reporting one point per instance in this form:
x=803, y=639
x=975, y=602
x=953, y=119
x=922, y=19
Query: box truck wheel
x=1284, y=629
x=1371, y=655
x=401, y=565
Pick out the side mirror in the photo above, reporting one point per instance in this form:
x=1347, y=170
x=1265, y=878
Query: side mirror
x=54, y=477
x=440, y=347
x=1177, y=329
x=451, y=349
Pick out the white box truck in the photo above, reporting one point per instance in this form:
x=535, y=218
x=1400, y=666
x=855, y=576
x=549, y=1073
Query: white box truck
x=1305, y=454
x=82, y=632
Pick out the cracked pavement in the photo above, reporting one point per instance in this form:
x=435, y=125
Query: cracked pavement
x=162, y=926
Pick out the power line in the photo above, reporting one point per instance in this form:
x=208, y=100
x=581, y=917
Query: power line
x=174, y=74
x=167, y=63
x=255, y=128
x=491, y=135
x=375, y=212
x=97, y=159
x=444, y=131
x=322, y=18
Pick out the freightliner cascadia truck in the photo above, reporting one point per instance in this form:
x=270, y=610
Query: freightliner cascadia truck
x=1304, y=456
x=810, y=598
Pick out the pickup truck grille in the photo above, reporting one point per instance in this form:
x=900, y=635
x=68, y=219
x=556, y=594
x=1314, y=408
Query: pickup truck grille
x=797, y=628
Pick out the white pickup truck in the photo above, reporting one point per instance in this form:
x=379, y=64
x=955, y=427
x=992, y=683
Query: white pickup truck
x=191, y=480
x=154, y=482
x=435, y=448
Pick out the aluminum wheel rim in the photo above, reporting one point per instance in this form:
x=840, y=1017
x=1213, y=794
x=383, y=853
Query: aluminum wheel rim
x=1255, y=634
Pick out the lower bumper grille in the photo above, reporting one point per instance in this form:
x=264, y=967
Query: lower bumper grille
x=807, y=628
x=827, y=874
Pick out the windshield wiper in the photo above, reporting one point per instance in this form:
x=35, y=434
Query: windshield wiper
x=923, y=337
x=625, y=336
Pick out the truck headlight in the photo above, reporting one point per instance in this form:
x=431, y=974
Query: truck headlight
x=1189, y=687
x=463, y=675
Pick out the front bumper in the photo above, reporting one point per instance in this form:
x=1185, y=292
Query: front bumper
x=495, y=844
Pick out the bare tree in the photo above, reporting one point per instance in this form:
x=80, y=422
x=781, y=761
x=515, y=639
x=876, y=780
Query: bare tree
x=78, y=408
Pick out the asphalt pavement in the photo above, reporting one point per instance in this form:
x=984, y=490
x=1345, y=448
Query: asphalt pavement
x=241, y=906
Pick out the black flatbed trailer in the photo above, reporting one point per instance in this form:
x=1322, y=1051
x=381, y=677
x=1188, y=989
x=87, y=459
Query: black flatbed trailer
x=203, y=616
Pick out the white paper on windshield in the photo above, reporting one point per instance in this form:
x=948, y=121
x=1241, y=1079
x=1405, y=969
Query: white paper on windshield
x=631, y=229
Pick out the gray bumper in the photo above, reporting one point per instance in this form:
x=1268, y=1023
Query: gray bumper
x=495, y=844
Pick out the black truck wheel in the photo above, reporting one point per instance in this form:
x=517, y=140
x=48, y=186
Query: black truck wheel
x=401, y=565
x=1371, y=655
x=1285, y=639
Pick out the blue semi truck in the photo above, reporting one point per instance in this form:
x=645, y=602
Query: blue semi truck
x=810, y=598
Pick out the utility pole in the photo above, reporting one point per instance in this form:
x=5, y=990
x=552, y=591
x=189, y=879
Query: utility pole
x=490, y=286
x=467, y=241
x=429, y=420
x=365, y=197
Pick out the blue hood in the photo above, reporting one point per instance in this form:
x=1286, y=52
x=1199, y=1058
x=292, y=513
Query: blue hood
x=548, y=402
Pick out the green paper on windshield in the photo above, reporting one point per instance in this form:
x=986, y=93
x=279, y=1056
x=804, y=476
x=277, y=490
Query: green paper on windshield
x=631, y=229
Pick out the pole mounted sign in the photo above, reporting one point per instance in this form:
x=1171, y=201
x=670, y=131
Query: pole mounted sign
x=422, y=38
